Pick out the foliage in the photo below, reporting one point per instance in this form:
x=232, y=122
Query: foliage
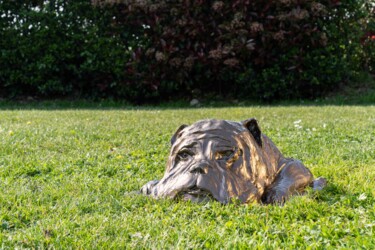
x=66, y=178
x=278, y=49
x=58, y=48
x=142, y=50
x=368, y=39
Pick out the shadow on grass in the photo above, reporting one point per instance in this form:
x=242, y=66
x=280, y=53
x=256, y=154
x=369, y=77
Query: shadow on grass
x=330, y=194
x=359, y=92
x=367, y=100
x=334, y=194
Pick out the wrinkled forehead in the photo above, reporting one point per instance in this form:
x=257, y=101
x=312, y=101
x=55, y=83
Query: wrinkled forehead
x=212, y=125
x=213, y=132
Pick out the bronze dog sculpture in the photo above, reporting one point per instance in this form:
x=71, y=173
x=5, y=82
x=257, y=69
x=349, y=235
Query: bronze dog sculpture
x=224, y=160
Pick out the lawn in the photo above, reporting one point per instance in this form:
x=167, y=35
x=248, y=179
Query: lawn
x=67, y=176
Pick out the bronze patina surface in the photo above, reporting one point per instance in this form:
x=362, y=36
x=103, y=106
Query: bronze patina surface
x=223, y=160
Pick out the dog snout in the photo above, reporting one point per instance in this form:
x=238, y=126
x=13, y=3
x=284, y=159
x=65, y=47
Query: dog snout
x=200, y=168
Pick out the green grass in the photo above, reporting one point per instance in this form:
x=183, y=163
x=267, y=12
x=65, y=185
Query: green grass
x=67, y=176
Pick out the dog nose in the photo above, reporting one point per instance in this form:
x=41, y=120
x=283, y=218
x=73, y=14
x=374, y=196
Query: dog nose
x=200, y=168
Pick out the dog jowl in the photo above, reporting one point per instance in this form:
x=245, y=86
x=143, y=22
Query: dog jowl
x=223, y=160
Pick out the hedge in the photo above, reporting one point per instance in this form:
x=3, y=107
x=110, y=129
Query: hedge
x=142, y=50
x=61, y=48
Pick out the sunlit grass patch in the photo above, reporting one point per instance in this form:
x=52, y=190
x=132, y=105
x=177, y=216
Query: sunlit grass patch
x=67, y=176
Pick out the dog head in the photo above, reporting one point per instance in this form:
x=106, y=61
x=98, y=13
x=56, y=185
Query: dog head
x=215, y=158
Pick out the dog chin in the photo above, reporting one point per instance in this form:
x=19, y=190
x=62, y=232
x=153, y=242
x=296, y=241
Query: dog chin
x=196, y=194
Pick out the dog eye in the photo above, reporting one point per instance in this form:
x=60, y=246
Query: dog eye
x=184, y=155
x=224, y=155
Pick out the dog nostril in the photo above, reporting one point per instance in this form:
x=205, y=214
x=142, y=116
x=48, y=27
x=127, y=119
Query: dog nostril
x=200, y=169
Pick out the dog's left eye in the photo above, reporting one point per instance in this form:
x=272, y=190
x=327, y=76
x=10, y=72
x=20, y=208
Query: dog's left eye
x=224, y=155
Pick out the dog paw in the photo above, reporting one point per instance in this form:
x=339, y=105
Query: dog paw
x=274, y=197
x=148, y=187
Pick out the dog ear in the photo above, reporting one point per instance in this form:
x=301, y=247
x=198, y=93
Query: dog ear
x=177, y=133
x=253, y=127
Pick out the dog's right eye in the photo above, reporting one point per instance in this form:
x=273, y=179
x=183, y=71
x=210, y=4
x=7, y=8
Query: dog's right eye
x=184, y=155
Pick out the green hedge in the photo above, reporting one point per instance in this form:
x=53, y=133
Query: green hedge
x=58, y=49
x=155, y=50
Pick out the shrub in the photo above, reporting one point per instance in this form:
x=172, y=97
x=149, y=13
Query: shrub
x=153, y=50
x=205, y=44
x=367, y=50
x=265, y=50
x=58, y=48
